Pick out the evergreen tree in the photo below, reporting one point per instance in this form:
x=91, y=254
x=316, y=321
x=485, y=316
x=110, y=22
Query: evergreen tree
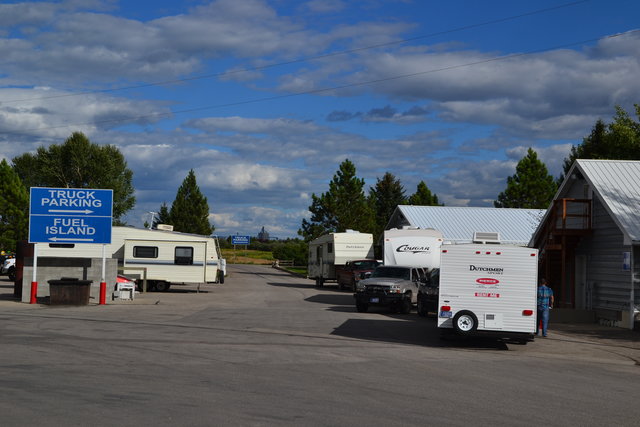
x=387, y=194
x=14, y=208
x=530, y=188
x=190, y=211
x=79, y=163
x=163, y=216
x=343, y=207
x=423, y=196
x=619, y=140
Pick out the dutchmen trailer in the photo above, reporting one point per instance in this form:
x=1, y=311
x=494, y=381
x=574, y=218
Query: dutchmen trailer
x=412, y=247
x=165, y=256
x=332, y=251
x=488, y=287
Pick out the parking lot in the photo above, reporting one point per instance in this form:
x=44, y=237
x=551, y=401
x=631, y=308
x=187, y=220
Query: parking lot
x=268, y=348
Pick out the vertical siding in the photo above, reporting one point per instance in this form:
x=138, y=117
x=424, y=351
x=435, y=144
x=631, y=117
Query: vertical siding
x=610, y=283
x=635, y=259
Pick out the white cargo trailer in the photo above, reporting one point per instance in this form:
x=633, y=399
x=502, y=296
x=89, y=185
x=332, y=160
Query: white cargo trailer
x=334, y=250
x=412, y=247
x=488, y=287
x=164, y=256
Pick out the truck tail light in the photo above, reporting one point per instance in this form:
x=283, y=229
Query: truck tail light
x=527, y=312
x=445, y=308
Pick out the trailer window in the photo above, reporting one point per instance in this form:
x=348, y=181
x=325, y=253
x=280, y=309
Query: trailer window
x=184, y=255
x=145, y=252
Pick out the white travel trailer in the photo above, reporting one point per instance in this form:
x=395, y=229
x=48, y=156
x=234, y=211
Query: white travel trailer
x=488, y=287
x=166, y=256
x=335, y=250
x=412, y=247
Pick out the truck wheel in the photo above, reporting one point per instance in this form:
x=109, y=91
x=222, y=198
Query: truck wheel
x=405, y=305
x=421, y=308
x=354, y=285
x=12, y=274
x=465, y=322
x=162, y=286
x=362, y=308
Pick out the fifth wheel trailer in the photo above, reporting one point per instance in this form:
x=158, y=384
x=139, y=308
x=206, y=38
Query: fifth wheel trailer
x=488, y=287
x=166, y=256
x=334, y=250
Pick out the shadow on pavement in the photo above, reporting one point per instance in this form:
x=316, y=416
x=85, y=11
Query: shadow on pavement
x=415, y=331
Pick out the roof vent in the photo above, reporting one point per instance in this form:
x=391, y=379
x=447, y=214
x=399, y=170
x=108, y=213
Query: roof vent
x=165, y=227
x=486, y=237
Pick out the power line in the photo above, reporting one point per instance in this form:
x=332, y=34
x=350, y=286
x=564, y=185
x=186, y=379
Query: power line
x=328, y=89
x=306, y=59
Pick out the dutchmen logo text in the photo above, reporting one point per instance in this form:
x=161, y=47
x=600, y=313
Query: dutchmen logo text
x=488, y=270
x=413, y=249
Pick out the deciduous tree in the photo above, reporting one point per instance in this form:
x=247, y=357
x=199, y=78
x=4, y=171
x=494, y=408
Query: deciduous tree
x=79, y=163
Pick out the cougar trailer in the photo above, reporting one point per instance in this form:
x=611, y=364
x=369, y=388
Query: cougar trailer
x=488, y=288
x=412, y=247
x=332, y=251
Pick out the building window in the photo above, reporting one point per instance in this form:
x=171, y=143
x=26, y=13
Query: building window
x=330, y=248
x=184, y=255
x=145, y=252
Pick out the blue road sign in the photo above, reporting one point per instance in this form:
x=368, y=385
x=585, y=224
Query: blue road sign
x=240, y=240
x=70, y=215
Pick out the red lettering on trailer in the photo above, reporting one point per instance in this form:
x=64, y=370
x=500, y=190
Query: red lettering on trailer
x=487, y=281
x=487, y=294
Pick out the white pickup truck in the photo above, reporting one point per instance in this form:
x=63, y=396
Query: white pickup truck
x=8, y=267
x=390, y=286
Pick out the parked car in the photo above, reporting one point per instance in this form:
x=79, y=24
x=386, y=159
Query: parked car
x=8, y=267
x=354, y=271
x=395, y=287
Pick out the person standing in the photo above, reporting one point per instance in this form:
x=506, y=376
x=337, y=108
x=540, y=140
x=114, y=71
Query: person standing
x=545, y=302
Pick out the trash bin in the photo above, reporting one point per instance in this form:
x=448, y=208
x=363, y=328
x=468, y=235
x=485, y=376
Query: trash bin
x=69, y=291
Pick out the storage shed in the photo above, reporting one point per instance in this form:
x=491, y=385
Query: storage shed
x=457, y=224
x=589, y=240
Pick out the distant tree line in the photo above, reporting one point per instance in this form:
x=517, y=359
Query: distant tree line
x=346, y=206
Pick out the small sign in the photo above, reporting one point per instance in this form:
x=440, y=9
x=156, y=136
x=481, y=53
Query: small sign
x=70, y=215
x=240, y=240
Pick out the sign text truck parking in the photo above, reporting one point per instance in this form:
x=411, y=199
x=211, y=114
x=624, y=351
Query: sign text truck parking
x=70, y=215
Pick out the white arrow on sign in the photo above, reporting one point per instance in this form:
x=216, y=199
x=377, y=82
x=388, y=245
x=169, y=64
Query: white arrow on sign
x=59, y=239
x=86, y=211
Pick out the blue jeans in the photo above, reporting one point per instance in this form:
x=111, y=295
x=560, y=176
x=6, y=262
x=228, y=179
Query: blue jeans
x=543, y=313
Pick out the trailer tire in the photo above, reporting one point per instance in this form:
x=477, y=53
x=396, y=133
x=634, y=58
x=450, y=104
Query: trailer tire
x=162, y=286
x=12, y=273
x=220, y=276
x=465, y=322
x=361, y=307
x=319, y=282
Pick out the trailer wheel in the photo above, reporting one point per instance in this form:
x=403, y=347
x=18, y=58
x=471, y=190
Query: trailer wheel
x=465, y=322
x=12, y=274
x=162, y=286
x=319, y=282
x=220, y=276
x=361, y=307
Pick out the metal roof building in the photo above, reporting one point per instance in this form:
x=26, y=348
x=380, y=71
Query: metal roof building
x=457, y=224
x=589, y=240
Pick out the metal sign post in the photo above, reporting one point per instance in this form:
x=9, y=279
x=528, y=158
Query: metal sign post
x=70, y=215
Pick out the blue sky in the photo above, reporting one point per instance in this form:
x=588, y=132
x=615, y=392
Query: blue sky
x=264, y=99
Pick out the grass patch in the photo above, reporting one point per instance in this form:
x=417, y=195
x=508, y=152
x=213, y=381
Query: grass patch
x=247, y=256
x=298, y=270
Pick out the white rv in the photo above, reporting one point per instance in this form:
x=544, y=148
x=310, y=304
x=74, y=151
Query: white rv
x=335, y=250
x=166, y=256
x=488, y=287
x=412, y=247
